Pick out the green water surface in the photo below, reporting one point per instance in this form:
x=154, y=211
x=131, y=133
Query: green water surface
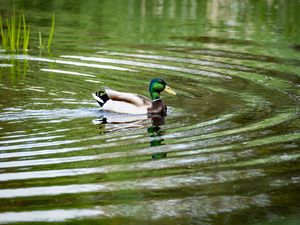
x=226, y=153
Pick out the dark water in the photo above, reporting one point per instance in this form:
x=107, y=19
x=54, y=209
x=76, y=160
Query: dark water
x=228, y=153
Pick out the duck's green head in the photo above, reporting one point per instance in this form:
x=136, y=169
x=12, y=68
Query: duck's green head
x=158, y=85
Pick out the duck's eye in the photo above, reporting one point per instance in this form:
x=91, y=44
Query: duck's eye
x=162, y=82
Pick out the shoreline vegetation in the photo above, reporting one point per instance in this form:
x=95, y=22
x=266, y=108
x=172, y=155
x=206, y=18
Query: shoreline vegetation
x=15, y=33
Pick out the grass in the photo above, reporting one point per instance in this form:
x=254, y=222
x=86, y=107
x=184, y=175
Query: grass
x=51, y=32
x=41, y=44
x=26, y=33
x=15, y=33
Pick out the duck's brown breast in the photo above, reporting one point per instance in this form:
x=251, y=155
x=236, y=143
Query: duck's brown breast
x=158, y=107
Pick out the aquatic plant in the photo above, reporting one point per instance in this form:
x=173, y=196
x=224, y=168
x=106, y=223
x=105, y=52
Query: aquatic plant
x=50, y=38
x=26, y=33
x=17, y=33
x=51, y=32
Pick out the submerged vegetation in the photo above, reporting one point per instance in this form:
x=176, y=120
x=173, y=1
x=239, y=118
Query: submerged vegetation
x=15, y=33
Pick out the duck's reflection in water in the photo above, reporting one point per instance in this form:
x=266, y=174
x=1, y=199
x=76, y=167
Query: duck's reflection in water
x=111, y=122
x=115, y=122
x=156, y=134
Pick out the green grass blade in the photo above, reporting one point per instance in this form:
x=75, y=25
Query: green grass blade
x=51, y=32
x=24, y=31
x=19, y=32
x=13, y=32
x=27, y=39
x=3, y=35
x=40, y=40
x=8, y=34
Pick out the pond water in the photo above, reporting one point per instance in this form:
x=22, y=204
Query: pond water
x=228, y=151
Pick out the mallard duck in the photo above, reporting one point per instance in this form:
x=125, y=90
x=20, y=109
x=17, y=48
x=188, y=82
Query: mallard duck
x=130, y=103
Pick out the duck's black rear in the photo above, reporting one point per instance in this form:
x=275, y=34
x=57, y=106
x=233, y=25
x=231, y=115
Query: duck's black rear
x=103, y=96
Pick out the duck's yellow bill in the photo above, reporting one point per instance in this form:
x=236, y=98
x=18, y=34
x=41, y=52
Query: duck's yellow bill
x=169, y=90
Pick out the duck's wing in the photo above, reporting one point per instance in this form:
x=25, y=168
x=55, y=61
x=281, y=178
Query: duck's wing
x=137, y=100
x=124, y=107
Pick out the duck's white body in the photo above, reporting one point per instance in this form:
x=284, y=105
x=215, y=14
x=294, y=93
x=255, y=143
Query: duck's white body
x=124, y=107
x=123, y=102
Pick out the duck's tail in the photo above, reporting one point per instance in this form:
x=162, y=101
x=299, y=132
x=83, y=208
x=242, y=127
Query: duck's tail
x=100, y=97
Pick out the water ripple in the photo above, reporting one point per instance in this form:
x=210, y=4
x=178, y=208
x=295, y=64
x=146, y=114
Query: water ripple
x=229, y=142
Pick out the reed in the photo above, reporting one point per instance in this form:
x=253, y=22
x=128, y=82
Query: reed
x=51, y=32
x=41, y=45
x=17, y=33
x=3, y=35
x=26, y=33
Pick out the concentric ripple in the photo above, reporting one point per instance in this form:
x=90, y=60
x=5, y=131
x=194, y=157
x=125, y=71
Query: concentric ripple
x=226, y=153
x=232, y=126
